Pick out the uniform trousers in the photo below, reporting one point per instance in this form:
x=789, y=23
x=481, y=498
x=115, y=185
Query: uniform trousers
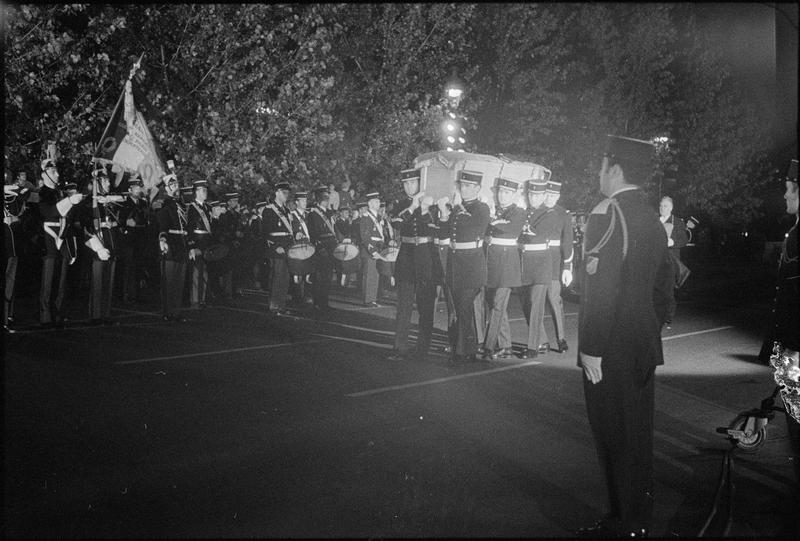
x=369, y=279
x=479, y=311
x=424, y=291
x=466, y=342
x=173, y=277
x=321, y=286
x=537, y=298
x=102, y=282
x=199, y=280
x=557, y=308
x=11, y=278
x=132, y=252
x=498, y=334
x=53, y=267
x=278, y=283
x=620, y=411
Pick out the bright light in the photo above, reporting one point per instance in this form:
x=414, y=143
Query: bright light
x=450, y=126
x=452, y=115
x=661, y=140
x=462, y=140
x=454, y=93
x=451, y=139
x=461, y=150
x=449, y=149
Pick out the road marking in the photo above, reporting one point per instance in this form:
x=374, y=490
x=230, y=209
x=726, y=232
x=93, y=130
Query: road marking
x=546, y=316
x=136, y=312
x=684, y=335
x=356, y=340
x=217, y=352
x=441, y=380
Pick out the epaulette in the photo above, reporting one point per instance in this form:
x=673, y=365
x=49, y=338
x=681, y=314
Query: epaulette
x=602, y=206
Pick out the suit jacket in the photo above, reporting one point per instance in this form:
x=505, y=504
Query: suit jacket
x=676, y=230
x=503, y=262
x=627, y=285
x=466, y=223
x=415, y=262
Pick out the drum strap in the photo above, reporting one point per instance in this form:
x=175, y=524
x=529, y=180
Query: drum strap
x=282, y=216
x=324, y=219
x=302, y=220
x=202, y=212
x=377, y=225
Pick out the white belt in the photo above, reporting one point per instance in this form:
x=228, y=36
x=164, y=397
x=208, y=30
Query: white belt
x=376, y=239
x=534, y=247
x=52, y=224
x=416, y=240
x=441, y=242
x=552, y=243
x=279, y=234
x=108, y=225
x=502, y=242
x=466, y=245
x=176, y=232
x=201, y=232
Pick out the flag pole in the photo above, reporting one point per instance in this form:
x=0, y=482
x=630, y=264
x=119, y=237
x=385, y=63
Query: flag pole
x=132, y=72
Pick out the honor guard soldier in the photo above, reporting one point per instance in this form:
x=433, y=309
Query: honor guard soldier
x=537, y=266
x=54, y=205
x=231, y=236
x=560, y=245
x=623, y=307
x=323, y=237
x=466, y=225
x=133, y=219
x=258, y=247
x=104, y=238
x=417, y=269
x=198, y=215
x=504, y=267
x=373, y=241
x=14, y=197
x=173, y=245
x=301, y=233
x=277, y=231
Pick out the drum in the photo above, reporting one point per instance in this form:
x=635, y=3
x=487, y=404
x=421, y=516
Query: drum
x=215, y=252
x=386, y=268
x=347, y=260
x=299, y=259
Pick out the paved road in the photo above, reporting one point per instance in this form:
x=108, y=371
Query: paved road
x=242, y=424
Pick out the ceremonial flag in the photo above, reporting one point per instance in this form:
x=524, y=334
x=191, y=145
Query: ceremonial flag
x=128, y=143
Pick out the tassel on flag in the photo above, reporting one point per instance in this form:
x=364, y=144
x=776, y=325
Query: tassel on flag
x=128, y=143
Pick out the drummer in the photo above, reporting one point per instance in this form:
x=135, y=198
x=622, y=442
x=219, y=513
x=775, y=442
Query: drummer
x=299, y=221
x=277, y=231
x=373, y=241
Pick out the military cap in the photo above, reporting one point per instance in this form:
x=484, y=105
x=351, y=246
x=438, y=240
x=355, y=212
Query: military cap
x=187, y=191
x=536, y=185
x=231, y=195
x=317, y=190
x=47, y=163
x=791, y=173
x=470, y=177
x=283, y=185
x=361, y=203
x=372, y=195
x=501, y=182
x=261, y=204
x=553, y=187
x=300, y=195
x=135, y=181
x=410, y=174
x=199, y=184
x=631, y=150
x=70, y=185
x=214, y=203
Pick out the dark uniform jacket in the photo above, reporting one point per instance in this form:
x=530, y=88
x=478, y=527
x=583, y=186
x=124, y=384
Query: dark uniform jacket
x=300, y=226
x=53, y=222
x=103, y=223
x=503, y=262
x=199, y=226
x=560, y=242
x=343, y=230
x=323, y=236
x=372, y=236
x=537, y=264
x=466, y=268
x=276, y=228
x=787, y=299
x=171, y=219
x=627, y=285
x=228, y=230
x=417, y=261
x=136, y=210
x=13, y=207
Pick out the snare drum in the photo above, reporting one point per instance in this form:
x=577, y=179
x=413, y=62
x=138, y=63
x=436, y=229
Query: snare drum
x=347, y=260
x=299, y=258
x=386, y=268
x=215, y=252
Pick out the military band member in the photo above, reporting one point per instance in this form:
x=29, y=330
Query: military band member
x=231, y=235
x=198, y=216
x=323, y=236
x=134, y=219
x=258, y=247
x=465, y=224
x=504, y=267
x=373, y=241
x=54, y=205
x=14, y=197
x=560, y=245
x=623, y=307
x=417, y=269
x=537, y=266
x=301, y=233
x=173, y=245
x=277, y=231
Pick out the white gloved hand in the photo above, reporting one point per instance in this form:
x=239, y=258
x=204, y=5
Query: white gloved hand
x=566, y=277
x=193, y=253
x=164, y=246
x=75, y=198
x=104, y=254
x=670, y=242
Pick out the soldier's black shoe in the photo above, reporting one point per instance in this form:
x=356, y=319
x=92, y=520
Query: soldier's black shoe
x=544, y=348
x=528, y=354
x=502, y=353
x=562, y=346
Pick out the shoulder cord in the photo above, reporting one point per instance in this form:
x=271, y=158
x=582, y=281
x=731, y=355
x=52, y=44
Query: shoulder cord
x=607, y=235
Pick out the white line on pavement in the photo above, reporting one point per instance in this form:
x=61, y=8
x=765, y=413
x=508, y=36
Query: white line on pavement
x=441, y=380
x=546, y=316
x=217, y=352
x=356, y=340
x=684, y=335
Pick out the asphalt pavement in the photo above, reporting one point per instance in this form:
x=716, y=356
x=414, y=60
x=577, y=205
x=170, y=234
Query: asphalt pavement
x=242, y=424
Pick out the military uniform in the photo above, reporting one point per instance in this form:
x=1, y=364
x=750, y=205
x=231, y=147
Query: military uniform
x=258, y=248
x=323, y=237
x=172, y=230
x=13, y=207
x=231, y=235
x=103, y=226
x=373, y=241
x=199, y=239
x=417, y=271
x=277, y=231
x=559, y=243
x=504, y=271
x=301, y=233
x=623, y=306
x=466, y=265
x=133, y=220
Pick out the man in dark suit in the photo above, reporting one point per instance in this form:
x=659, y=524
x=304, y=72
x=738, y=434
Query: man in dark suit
x=465, y=224
x=417, y=269
x=504, y=268
x=624, y=298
